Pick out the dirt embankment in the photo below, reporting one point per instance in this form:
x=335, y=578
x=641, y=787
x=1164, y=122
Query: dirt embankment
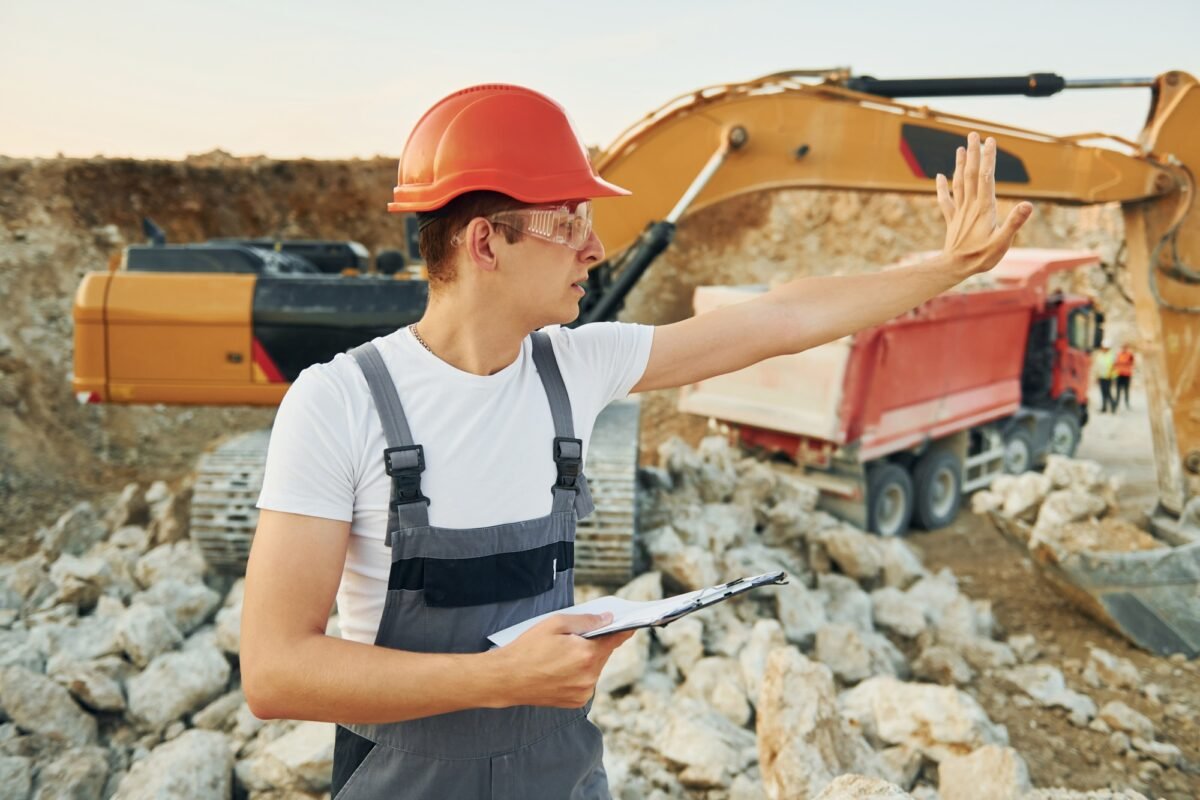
x=62, y=217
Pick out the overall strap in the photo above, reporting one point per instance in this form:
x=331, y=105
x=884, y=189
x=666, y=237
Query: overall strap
x=403, y=460
x=570, y=486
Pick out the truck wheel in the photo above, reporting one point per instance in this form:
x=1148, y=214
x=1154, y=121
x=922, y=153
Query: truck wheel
x=938, y=487
x=1018, y=451
x=889, y=499
x=1064, y=434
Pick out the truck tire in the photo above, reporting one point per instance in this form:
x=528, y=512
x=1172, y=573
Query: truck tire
x=937, y=484
x=1064, y=434
x=889, y=499
x=1018, y=451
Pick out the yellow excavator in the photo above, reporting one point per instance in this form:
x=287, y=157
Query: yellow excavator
x=163, y=328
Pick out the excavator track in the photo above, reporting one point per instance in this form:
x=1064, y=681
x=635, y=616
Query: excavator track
x=229, y=477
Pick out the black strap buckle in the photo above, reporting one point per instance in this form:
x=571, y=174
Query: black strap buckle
x=405, y=465
x=568, y=457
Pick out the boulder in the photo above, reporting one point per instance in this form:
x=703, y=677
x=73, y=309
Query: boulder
x=1105, y=670
x=92, y=686
x=145, y=632
x=1123, y=718
x=846, y=602
x=684, y=640
x=990, y=773
x=800, y=610
x=197, y=765
x=79, y=773
x=689, y=566
x=179, y=560
x=803, y=742
x=38, y=704
x=942, y=664
x=1046, y=685
x=765, y=636
x=188, y=604
x=896, y=611
x=73, y=533
x=175, y=684
x=854, y=655
x=695, y=736
x=301, y=759
x=860, y=787
x=717, y=681
x=16, y=776
x=940, y=721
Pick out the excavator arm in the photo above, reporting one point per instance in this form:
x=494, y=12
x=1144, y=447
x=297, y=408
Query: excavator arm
x=783, y=132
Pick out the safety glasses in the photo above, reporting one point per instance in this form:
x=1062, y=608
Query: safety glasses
x=568, y=223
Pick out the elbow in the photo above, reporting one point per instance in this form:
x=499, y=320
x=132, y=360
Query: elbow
x=261, y=685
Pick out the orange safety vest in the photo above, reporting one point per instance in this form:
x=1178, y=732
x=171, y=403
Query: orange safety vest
x=1123, y=364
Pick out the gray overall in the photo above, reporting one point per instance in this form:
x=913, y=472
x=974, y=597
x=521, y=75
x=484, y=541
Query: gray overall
x=447, y=590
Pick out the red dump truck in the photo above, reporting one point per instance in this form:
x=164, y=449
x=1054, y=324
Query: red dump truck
x=896, y=423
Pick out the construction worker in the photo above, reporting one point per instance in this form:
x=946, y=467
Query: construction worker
x=431, y=477
x=1102, y=371
x=1123, y=374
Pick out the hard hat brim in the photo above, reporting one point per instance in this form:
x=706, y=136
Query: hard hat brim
x=547, y=189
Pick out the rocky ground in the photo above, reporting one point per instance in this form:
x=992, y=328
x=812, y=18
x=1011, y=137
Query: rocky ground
x=868, y=675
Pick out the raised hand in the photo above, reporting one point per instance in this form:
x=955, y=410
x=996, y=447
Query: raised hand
x=974, y=243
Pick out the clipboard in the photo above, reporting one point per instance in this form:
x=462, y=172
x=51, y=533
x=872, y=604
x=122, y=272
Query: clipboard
x=631, y=615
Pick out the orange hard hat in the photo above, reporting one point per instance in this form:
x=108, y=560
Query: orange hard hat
x=499, y=138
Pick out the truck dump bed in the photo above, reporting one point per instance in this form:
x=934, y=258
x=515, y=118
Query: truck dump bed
x=951, y=363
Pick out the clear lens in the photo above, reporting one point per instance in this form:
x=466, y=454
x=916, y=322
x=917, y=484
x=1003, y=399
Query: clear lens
x=558, y=224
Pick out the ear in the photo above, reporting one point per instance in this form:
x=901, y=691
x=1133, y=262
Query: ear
x=478, y=239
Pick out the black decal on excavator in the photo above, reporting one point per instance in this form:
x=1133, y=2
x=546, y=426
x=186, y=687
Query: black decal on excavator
x=929, y=151
x=304, y=320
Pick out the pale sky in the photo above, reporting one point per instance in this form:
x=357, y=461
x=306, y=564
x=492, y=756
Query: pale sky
x=349, y=79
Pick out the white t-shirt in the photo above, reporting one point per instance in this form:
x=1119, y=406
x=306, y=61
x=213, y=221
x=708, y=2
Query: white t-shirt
x=487, y=441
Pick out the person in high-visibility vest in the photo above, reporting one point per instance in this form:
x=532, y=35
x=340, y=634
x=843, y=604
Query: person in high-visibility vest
x=1102, y=371
x=1123, y=371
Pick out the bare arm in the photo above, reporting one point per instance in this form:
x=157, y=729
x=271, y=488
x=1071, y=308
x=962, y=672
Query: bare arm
x=810, y=311
x=291, y=669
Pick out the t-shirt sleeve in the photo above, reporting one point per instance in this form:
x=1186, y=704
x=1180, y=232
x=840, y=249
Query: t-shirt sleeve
x=610, y=357
x=309, y=464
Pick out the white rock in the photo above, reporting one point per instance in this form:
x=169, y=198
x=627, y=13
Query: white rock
x=858, y=554
x=92, y=687
x=1123, y=718
x=800, y=610
x=220, y=714
x=301, y=759
x=80, y=580
x=690, y=566
x=940, y=721
x=76, y=773
x=1025, y=647
x=38, y=704
x=717, y=681
x=803, y=741
x=860, y=787
x=19, y=649
x=846, y=603
x=1045, y=684
x=179, y=560
x=73, y=533
x=188, y=604
x=1106, y=670
x=1166, y=754
x=716, y=527
x=627, y=664
x=1062, y=507
x=942, y=664
x=175, y=684
x=695, y=735
x=989, y=773
x=1025, y=494
x=145, y=632
x=684, y=640
x=229, y=629
x=901, y=567
x=129, y=508
x=16, y=776
x=854, y=655
x=896, y=611
x=787, y=522
x=1068, y=473
x=197, y=765
x=765, y=636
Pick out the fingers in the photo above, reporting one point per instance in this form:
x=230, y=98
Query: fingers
x=971, y=171
x=577, y=623
x=960, y=164
x=1013, y=222
x=943, y=198
x=987, y=174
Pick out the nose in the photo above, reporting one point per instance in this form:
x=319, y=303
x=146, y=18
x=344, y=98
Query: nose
x=592, y=251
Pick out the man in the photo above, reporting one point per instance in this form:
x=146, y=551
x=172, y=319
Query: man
x=1123, y=371
x=483, y=419
x=1102, y=371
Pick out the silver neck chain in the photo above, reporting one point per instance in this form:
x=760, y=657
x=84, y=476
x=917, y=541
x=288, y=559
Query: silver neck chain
x=413, y=328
